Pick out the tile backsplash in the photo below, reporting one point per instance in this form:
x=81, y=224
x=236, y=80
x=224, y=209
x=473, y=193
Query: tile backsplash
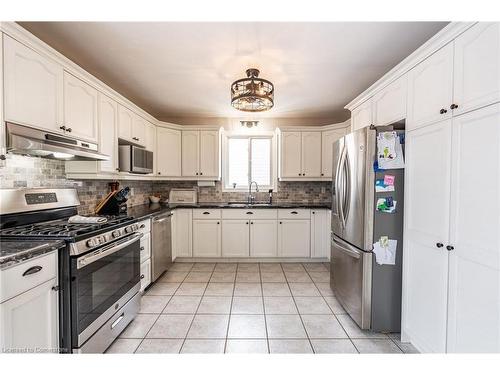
x=32, y=172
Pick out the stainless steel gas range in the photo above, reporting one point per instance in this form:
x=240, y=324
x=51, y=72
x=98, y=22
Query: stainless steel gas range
x=99, y=268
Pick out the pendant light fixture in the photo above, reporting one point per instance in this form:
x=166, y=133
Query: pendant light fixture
x=252, y=94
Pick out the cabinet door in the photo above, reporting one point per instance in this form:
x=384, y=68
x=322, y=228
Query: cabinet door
x=361, y=117
x=320, y=234
x=389, y=105
x=206, y=238
x=183, y=233
x=145, y=247
x=125, y=123
x=477, y=67
x=33, y=87
x=30, y=320
x=168, y=152
x=139, y=126
x=430, y=86
x=190, y=153
x=150, y=137
x=80, y=108
x=291, y=154
x=311, y=154
x=264, y=238
x=327, y=140
x=209, y=154
x=427, y=200
x=145, y=274
x=294, y=238
x=108, y=135
x=235, y=238
x=474, y=291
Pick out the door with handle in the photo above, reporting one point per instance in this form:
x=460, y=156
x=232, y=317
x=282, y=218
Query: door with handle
x=351, y=280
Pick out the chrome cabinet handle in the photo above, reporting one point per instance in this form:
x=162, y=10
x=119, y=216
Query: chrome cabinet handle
x=113, y=325
x=32, y=270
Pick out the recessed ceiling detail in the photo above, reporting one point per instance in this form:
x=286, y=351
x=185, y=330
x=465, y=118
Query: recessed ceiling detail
x=184, y=69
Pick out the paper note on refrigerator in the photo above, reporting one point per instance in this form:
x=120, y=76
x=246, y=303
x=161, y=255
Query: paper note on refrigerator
x=381, y=186
x=385, y=250
x=387, y=205
x=389, y=151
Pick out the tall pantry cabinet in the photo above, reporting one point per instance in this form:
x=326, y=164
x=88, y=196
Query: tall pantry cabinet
x=452, y=224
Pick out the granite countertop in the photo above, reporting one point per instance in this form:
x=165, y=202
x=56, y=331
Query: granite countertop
x=13, y=252
x=144, y=210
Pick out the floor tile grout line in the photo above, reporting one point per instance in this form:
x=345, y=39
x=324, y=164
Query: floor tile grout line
x=158, y=317
x=264, y=310
x=229, y=318
x=194, y=315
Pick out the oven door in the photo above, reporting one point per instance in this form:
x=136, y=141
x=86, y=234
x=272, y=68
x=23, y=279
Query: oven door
x=102, y=281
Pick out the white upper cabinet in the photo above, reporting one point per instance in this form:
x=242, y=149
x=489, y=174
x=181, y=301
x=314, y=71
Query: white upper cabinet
x=125, y=123
x=80, y=108
x=327, y=139
x=209, y=153
x=430, y=89
x=361, y=116
x=190, y=153
x=427, y=205
x=168, y=152
x=139, y=126
x=300, y=155
x=33, y=87
x=389, y=105
x=108, y=134
x=477, y=67
x=311, y=154
x=201, y=153
x=150, y=137
x=290, y=154
x=474, y=297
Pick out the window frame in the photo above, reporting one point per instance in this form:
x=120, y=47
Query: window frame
x=225, y=163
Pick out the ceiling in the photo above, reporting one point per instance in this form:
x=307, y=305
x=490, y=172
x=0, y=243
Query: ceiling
x=182, y=69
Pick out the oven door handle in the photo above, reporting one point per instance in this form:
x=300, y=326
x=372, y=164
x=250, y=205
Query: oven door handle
x=105, y=251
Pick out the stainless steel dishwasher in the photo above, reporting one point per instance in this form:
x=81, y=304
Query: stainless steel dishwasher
x=161, y=256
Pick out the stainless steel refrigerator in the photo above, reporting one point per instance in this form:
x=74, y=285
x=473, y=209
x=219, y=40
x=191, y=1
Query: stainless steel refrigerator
x=369, y=292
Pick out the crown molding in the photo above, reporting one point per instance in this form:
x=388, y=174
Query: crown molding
x=443, y=37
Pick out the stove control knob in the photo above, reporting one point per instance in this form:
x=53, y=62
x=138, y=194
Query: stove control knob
x=128, y=229
x=91, y=243
x=116, y=233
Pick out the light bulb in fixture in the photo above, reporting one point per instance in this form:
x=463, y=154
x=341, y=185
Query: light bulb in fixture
x=62, y=155
x=249, y=124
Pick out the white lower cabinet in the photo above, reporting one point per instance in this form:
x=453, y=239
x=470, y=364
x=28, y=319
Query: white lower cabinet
x=207, y=238
x=320, y=234
x=145, y=246
x=263, y=238
x=182, y=238
x=294, y=238
x=235, y=238
x=29, y=311
x=29, y=321
x=145, y=274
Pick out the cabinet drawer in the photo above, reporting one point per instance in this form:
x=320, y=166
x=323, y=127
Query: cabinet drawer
x=13, y=283
x=145, y=274
x=261, y=213
x=206, y=214
x=294, y=213
x=145, y=247
x=145, y=226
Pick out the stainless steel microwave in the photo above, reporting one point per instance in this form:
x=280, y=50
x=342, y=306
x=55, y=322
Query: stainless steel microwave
x=135, y=159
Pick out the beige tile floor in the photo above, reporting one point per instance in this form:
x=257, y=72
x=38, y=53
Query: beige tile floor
x=248, y=308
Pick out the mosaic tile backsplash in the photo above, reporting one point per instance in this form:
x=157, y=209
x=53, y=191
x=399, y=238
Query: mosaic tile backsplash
x=32, y=172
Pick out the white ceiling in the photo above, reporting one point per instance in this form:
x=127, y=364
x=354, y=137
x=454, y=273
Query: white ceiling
x=185, y=69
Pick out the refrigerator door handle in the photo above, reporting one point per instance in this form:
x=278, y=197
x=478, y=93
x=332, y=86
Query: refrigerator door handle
x=347, y=249
x=340, y=188
x=337, y=184
x=347, y=188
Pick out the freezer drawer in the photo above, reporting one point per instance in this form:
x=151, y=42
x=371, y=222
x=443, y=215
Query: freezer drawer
x=351, y=277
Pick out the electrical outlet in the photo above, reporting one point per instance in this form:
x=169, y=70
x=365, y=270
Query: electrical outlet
x=132, y=191
x=323, y=190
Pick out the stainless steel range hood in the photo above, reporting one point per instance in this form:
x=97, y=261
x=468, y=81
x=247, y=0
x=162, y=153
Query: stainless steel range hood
x=24, y=140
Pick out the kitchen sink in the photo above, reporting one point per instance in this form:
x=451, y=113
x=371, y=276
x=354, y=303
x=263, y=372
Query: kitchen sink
x=244, y=205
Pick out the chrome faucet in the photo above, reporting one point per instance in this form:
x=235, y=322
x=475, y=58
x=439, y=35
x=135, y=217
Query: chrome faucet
x=251, y=198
